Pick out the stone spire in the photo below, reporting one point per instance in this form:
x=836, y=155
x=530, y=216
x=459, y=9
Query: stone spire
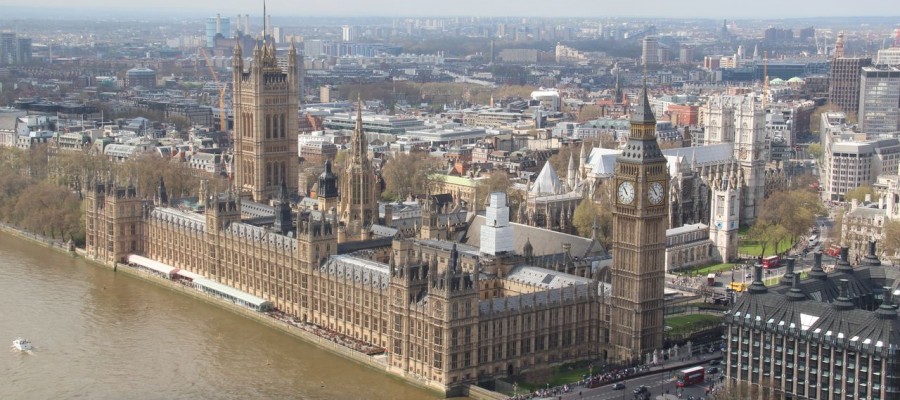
x=571, y=174
x=643, y=113
x=360, y=144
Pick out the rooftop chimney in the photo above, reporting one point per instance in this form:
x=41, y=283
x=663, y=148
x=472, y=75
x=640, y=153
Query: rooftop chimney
x=796, y=294
x=843, y=264
x=886, y=310
x=817, y=271
x=842, y=302
x=757, y=286
x=788, y=278
x=871, y=260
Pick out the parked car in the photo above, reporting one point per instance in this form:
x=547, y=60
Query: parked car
x=712, y=370
x=640, y=389
x=618, y=386
x=715, y=362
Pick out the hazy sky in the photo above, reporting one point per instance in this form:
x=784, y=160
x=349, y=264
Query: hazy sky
x=731, y=9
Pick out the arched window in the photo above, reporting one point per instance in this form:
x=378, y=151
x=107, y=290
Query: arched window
x=274, y=126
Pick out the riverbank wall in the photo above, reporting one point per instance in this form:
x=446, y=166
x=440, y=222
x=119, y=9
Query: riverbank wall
x=375, y=362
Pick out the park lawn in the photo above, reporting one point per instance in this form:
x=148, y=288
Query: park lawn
x=562, y=375
x=754, y=249
x=775, y=280
x=709, y=269
x=684, y=321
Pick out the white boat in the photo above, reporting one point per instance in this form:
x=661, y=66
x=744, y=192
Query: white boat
x=21, y=344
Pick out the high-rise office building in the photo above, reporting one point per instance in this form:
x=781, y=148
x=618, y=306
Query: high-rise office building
x=23, y=50
x=832, y=335
x=650, y=52
x=843, y=86
x=14, y=50
x=879, y=99
x=348, y=33
x=7, y=48
x=889, y=56
x=686, y=54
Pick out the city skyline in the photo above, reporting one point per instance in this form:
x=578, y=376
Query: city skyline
x=707, y=9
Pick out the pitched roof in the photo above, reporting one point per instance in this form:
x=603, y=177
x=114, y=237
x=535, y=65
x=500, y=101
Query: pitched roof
x=547, y=182
x=543, y=241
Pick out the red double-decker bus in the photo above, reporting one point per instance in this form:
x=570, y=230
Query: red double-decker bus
x=771, y=262
x=690, y=376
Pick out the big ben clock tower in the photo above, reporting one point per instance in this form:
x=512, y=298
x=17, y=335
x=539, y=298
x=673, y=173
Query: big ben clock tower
x=639, y=240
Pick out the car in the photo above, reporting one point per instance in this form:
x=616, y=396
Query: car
x=712, y=370
x=715, y=362
x=640, y=389
x=618, y=386
x=749, y=275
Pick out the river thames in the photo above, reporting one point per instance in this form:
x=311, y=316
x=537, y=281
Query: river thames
x=102, y=335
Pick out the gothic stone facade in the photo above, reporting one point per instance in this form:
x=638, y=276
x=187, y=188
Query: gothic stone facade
x=446, y=316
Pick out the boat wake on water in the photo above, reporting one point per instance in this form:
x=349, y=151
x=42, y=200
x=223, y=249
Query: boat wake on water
x=22, y=346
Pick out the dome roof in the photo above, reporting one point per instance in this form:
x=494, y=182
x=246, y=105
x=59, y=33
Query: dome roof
x=776, y=81
x=796, y=79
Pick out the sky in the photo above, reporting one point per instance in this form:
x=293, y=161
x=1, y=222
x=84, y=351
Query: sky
x=731, y=9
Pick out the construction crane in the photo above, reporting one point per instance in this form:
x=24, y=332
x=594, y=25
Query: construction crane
x=223, y=123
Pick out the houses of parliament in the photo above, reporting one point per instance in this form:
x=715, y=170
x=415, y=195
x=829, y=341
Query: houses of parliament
x=462, y=304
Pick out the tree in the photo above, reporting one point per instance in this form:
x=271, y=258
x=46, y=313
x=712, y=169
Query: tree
x=815, y=120
x=806, y=182
x=497, y=181
x=407, y=174
x=584, y=217
x=560, y=160
x=785, y=216
x=891, y=239
x=814, y=150
x=859, y=193
x=588, y=112
x=763, y=232
x=795, y=211
x=608, y=141
x=834, y=234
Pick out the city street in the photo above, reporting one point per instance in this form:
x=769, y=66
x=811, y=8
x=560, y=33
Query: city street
x=804, y=263
x=657, y=384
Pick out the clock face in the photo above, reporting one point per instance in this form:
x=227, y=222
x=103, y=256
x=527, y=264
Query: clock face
x=626, y=192
x=656, y=195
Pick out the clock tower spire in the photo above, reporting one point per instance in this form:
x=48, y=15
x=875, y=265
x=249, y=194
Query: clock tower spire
x=639, y=240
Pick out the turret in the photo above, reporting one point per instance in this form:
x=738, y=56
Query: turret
x=283, y=222
x=237, y=60
x=162, y=197
x=571, y=174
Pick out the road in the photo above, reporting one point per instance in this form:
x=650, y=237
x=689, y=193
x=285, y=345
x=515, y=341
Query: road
x=658, y=383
